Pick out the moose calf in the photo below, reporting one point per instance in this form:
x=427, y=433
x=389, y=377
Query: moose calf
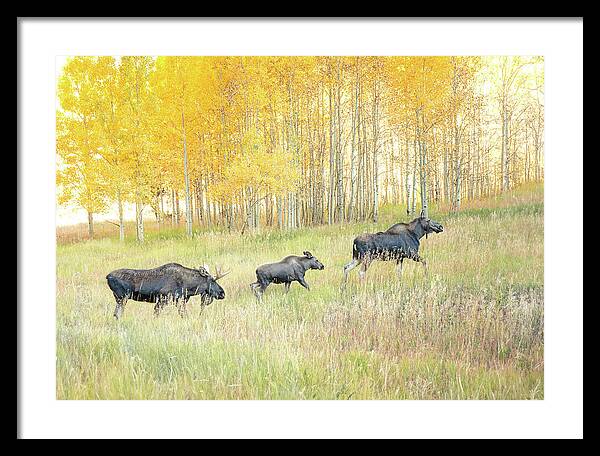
x=291, y=269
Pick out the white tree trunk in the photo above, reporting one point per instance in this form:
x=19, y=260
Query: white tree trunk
x=121, y=221
x=188, y=202
x=91, y=225
x=139, y=218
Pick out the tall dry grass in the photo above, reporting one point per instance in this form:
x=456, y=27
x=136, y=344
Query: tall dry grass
x=471, y=329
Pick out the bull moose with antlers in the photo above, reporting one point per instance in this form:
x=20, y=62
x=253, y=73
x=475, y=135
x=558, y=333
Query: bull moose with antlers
x=398, y=242
x=169, y=282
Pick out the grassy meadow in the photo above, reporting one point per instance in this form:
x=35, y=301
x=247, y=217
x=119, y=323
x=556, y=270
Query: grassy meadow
x=471, y=329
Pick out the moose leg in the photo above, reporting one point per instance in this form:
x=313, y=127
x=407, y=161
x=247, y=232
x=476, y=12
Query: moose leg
x=120, y=307
x=349, y=268
x=254, y=286
x=160, y=303
x=182, y=307
x=205, y=300
x=363, y=270
x=287, y=287
x=423, y=262
x=302, y=282
x=399, y=267
x=261, y=290
x=258, y=288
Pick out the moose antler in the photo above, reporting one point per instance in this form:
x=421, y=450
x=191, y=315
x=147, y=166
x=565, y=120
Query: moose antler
x=219, y=273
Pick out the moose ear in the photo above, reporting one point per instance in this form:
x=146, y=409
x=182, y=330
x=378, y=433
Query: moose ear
x=422, y=213
x=307, y=254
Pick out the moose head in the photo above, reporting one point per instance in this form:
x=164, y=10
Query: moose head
x=213, y=289
x=313, y=263
x=428, y=225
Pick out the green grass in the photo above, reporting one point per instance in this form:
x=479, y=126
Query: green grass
x=471, y=329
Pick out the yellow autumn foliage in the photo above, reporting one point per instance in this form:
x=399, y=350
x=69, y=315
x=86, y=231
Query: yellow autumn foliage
x=257, y=172
x=329, y=137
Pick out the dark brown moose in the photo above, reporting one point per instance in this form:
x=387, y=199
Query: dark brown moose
x=291, y=269
x=398, y=242
x=169, y=282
